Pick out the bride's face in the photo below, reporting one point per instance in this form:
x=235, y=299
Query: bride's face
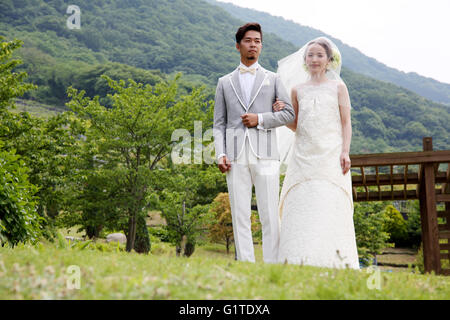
x=316, y=58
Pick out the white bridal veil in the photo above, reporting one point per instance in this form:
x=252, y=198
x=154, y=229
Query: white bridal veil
x=292, y=71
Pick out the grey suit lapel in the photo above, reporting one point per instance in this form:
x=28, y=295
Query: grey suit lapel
x=236, y=84
x=260, y=76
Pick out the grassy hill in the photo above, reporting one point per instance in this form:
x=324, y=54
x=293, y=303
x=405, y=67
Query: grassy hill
x=150, y=40
x=354, y=59
x=41, y=272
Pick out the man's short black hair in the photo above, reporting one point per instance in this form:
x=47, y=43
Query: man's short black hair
x=247, y=27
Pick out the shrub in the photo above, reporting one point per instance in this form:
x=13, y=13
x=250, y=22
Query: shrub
x=414, y=226
x=395, y=225
x=19, y=220
x=420, y=264
x=220, y=226
x=370, y=237
x=159, y=233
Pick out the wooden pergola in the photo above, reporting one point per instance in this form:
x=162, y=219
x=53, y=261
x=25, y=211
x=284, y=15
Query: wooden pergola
x=408, y=176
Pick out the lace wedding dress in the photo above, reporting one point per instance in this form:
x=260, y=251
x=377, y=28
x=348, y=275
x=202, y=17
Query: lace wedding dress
x=316, y=205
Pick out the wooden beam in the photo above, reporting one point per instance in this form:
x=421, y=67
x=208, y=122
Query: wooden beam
x=446, y=189
x=363, y=176
x=385, y=195
x=444, y=234
x=399, y=158
x=424, y=224
x=411, y=194
x=394, y=179
x=444, y=214
x=432, y=260
x=378, y=181
x=446, y=185
x=443, y=197
x=405, y=179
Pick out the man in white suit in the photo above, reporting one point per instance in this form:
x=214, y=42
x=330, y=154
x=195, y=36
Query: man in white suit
x=246, y=143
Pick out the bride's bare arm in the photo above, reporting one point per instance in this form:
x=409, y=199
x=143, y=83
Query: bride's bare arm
x=293, y=125
x=344, y=109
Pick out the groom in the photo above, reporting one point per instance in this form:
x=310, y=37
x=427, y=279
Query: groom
x=246, y=143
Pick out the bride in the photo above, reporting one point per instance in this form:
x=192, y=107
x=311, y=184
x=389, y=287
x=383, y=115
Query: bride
x=316, y=205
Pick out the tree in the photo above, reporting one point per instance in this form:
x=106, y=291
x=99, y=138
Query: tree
x=184, y=205
x=41, y=144
x=221, y=227
x=19, y=221
x=370, y=237
x=184, y=221
x=394, y=224
x=11, y=83
x=134, y=136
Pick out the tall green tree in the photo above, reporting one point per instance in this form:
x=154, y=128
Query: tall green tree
x=19, y=221
x=41, y=144
x=11, y=83
x=133, y=137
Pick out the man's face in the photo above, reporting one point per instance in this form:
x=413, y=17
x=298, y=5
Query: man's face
x=250, y=46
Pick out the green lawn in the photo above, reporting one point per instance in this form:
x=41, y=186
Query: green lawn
x=41, y=272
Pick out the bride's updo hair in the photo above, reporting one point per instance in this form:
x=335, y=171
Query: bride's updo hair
x=324, y=44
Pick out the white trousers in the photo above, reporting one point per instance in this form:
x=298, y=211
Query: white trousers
x=247, y=170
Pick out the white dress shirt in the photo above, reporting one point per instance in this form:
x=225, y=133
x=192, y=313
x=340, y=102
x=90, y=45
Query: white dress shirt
x=247, y=81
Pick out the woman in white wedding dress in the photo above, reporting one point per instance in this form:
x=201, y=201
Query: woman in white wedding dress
x=316, y=205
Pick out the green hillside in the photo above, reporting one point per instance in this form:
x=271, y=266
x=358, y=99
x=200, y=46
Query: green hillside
x=189, y=36
x=354, y=59
x=149, y=40
x=388, y=118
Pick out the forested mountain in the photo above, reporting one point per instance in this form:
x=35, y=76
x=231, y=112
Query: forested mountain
x=388, y=118
x=149, y=40
x=353, y=58
x=170, y=35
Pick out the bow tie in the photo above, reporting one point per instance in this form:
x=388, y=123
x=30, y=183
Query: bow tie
x=244, y=70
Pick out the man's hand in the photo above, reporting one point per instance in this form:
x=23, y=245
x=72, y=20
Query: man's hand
x=224, y=164
x=250, y=120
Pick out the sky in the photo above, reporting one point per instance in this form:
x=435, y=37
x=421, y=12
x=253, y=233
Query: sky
x=408, y=35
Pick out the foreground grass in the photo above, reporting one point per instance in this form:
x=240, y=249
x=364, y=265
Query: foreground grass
x=41, y=272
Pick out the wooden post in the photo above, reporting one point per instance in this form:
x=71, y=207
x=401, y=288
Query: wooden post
x=428, y=212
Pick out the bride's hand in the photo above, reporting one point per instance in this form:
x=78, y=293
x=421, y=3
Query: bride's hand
x=345, y=162
x=278, y=105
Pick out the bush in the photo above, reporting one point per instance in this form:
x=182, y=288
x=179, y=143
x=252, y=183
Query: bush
x=414, y=227
x=407, y=232
x=19, y=220
x=395, y=225
x=420, y=264
x=370, y=237
x=159, y=233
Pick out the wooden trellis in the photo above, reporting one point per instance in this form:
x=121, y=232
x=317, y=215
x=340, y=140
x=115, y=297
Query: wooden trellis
x=419, y=177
